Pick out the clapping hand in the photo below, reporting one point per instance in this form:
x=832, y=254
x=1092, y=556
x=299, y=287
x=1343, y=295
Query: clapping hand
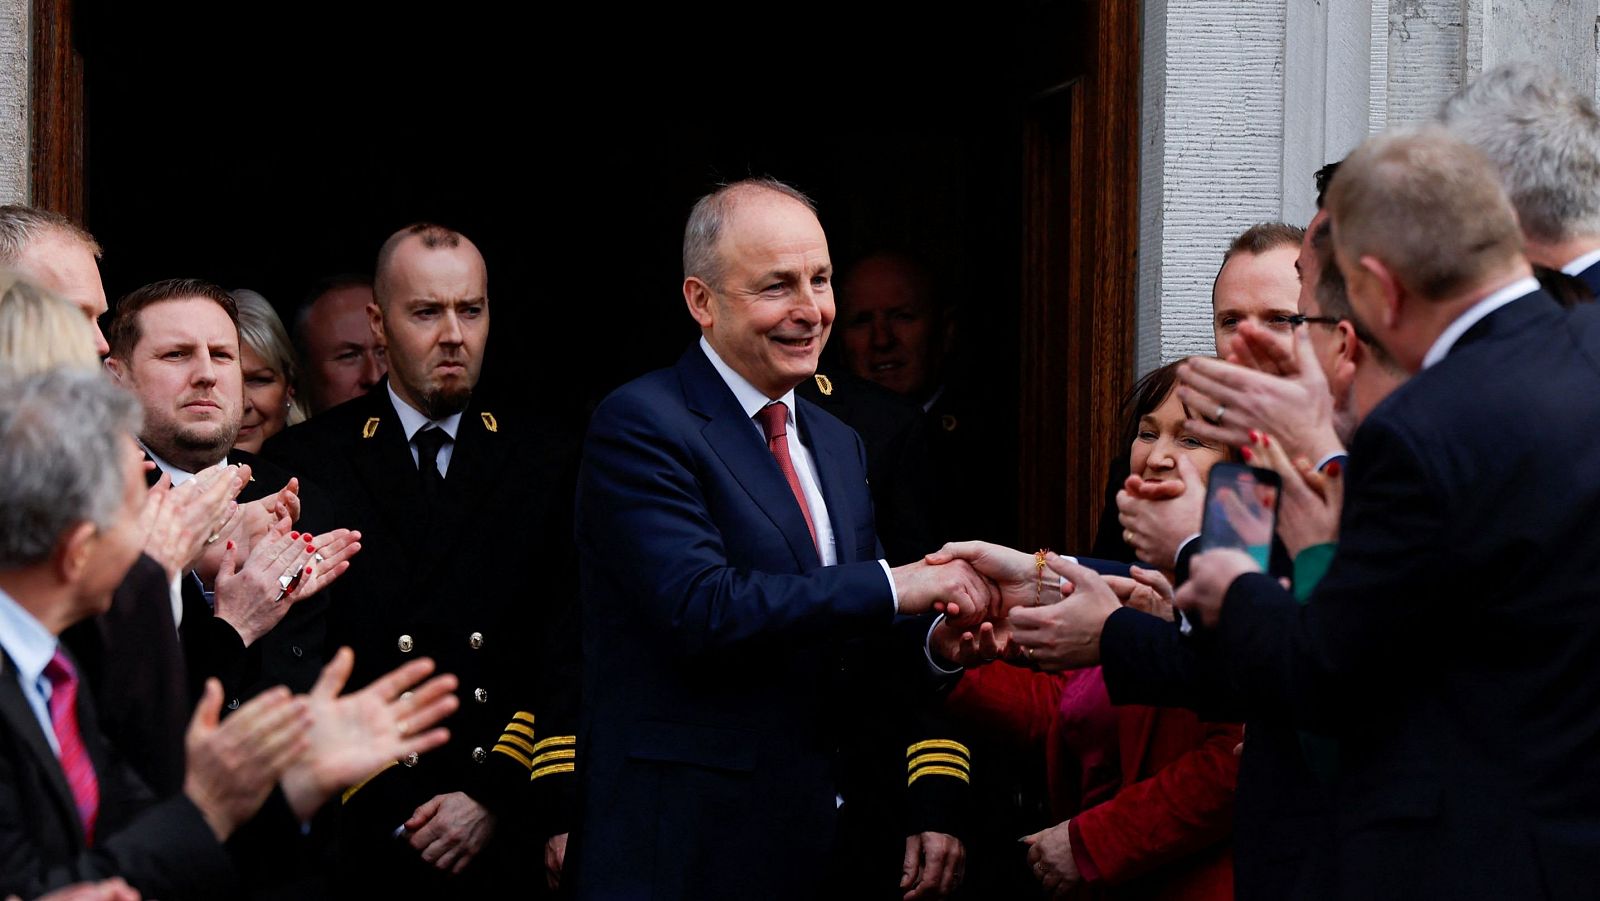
x=179, y=522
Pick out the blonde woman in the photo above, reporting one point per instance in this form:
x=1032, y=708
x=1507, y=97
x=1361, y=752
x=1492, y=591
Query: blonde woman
x=270, y=371
x=39, y=330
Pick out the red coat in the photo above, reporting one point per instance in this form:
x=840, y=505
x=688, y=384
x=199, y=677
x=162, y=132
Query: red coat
x=1164, y=834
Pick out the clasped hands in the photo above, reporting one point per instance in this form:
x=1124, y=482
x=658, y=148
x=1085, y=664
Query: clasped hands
x=1003, y=605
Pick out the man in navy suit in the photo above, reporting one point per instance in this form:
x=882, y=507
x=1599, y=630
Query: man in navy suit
x=1454, y=663
x=729, y=566
x=1544, y=137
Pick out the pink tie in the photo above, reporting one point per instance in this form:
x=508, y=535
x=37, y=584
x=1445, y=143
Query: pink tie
x=774, y=419
x=75, y=761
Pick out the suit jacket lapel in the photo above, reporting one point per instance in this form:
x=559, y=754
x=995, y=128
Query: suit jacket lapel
x=737, y=441
x=19, y=719
x=383, y=463
x=829, y=450
x=477, y=463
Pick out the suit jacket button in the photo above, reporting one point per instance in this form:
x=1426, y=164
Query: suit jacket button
x=479, y=755
x=475, y=640
x=410, y=759
x=406, y=644
x=295, y=650
x=480, y=695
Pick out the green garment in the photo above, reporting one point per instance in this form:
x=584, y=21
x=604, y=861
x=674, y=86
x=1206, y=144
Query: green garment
x=1322, y=753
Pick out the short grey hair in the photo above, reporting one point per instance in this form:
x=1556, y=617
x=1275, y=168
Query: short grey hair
x=263, y=332
x=702, y=258
x=62, y=440
x=1543, y=137
x=20, y=225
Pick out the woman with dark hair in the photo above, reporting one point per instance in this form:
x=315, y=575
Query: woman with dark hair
x=1143, y=795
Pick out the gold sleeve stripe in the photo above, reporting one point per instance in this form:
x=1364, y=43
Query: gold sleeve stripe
x=551, y=770
x=521, y=729
x=514, y=754
x=938, y=744
x=938, y=771
x=556, y=740
x=517, y=742
x=345, y=798
x=952, y=759
x=562, y=754
x=523, y=715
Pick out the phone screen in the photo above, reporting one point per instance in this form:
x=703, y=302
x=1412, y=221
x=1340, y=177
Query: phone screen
x=1241, y=513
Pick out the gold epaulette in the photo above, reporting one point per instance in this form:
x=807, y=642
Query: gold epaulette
x=938, y=757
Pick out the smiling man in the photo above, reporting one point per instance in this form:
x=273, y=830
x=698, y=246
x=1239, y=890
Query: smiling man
x=466, y=516
x=746, y=688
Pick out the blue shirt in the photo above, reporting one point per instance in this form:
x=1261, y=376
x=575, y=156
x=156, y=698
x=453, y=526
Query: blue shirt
x=31, y=647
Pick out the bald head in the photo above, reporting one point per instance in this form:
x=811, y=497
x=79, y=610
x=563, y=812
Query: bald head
x=431, y=289
x=1429, y=206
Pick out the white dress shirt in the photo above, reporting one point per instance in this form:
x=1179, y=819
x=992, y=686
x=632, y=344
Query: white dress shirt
x=1475, y=314
x=1582, y=263
x=414, y=421
x=30, y=646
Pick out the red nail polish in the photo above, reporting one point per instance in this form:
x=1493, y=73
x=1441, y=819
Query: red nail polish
x=294, y=534
x=1334, y=468
x=230, y=545
x=1255, y=436
x=308, y=570
x=1245, y=453
x=1266, y=440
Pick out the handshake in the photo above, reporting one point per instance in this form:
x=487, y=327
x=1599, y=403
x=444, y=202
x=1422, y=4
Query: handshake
x=1040, y=610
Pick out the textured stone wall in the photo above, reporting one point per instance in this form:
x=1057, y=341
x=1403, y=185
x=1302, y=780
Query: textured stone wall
x=1244, y=100
x=15, y=136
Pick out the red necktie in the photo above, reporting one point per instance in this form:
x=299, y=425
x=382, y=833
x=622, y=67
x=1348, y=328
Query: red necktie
x=774, y=419
x=75, y=761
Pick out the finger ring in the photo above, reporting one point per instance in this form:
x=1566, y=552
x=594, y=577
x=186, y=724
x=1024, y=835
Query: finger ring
x=1127, y=535
x=285, y=581
x=213, y=539
x=279, y=598
x=1027, y=652
x=1216, y=418
x=318, y=558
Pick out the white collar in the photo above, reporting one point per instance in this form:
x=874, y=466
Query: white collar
x=1582, y=263
x=413, y=420
x=27, y=640
x=751, y=399
x=1474, y=314
x=179, y=476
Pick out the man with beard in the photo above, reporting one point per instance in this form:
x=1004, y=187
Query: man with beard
x=175, y=346
x=467, y=520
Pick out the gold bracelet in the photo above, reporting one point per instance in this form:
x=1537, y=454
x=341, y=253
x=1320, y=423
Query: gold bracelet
x=1038, y=585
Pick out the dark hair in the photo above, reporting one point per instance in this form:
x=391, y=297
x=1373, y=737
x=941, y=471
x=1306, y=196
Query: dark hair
x=1333, y=299
x=123, y=334
x=1323, y=178
x=1257, y=240
x=1147, y=394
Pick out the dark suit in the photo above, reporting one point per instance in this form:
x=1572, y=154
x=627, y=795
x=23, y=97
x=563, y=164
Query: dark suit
x=1452, y=645
x=163, y=849
x=1591, y=279
x=714, y=731
x=483, y=582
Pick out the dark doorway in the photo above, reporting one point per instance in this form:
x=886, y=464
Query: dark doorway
x=263, y=147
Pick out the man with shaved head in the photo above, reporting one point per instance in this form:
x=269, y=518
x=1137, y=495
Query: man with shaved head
x=465, y=511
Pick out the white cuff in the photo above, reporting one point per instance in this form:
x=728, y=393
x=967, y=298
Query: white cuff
x=1329, y=458
x=927, y=650
x=1181, y=545
x=893, y=592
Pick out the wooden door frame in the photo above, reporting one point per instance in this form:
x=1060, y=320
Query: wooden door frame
x=59, y=124
x=1080, y=273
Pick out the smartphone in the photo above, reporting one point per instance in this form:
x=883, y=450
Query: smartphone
x=1241, y=513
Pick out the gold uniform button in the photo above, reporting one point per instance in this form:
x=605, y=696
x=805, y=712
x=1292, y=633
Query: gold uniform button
x=480, y=695
x=411, y=759
x=479, y=755
x=475, y=640
x=406, y=644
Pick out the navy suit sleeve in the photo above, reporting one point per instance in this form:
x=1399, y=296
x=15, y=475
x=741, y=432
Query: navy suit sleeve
x=1372, y=615
x=645, y=500
x=1146, y=661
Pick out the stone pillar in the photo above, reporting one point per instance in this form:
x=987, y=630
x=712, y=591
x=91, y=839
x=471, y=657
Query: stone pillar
x=16, y=38
x=1244, y=100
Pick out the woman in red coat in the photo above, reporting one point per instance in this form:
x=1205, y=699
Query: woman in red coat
x=1144, y=794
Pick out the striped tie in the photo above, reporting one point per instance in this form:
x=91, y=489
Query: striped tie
x=75, y=761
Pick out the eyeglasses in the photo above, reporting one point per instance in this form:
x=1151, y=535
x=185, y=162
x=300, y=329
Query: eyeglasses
x=1300, y=319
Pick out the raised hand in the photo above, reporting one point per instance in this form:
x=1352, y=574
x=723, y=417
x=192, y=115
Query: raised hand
x=254, y=521
x=1286, y=396
x=1157, y=517
x=1145, y=590
x=966, y=647
x=254, y=596
x=179, y=522
x=352, y=736
x=1310, y=502
x=233, y=765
